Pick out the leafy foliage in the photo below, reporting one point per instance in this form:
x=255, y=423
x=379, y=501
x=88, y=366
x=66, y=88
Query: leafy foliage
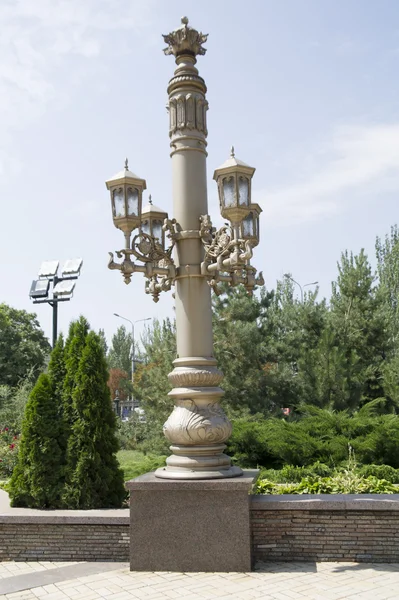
x=152, y=385
x=135, y=463
x=120, y=352
x=339, y=484
x=23, y=346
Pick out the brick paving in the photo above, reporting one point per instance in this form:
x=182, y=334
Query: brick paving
x=274, y=581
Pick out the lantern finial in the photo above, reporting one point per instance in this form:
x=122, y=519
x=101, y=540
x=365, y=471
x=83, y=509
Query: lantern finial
x=150, y=199
x=232, y=154
x=126, y=164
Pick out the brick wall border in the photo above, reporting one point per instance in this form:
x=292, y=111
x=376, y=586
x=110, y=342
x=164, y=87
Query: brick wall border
x=358, y=528
x=342, y=527
x=63, y=537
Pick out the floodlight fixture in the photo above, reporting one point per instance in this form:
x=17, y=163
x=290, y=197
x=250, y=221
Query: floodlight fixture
x=49, y=268
x=72, y=266
x=39, y=288
x=64, y=288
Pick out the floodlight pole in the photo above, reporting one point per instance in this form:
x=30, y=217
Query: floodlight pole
x=55, y=323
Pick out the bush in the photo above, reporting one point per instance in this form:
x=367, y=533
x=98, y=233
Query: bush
x=12, y=406
x=380, y=472
x=317, y=436
x=95, y=479
x=249, y=444
x=8, y=453
x=37, y=478
x=339, y=484
x=135, y=463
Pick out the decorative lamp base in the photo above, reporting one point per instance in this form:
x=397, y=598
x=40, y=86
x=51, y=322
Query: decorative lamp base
x=198, y=462
x=170, y=473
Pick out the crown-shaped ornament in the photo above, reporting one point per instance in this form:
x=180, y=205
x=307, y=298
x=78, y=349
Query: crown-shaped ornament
x=185, y=40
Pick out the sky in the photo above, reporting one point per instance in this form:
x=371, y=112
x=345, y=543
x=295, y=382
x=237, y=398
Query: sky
x=307, y=92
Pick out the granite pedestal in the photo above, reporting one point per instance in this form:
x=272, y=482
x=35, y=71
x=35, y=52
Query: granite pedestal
x=190, y=525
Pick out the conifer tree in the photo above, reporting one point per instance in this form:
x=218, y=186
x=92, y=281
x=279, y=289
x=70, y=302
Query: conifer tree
x=74, y=346
x=359, y=320
x=120, y=353
x=57, y=371
x=95, y=479
x=37, y=479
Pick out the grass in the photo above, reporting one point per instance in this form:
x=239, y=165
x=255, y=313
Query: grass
x=135, y=463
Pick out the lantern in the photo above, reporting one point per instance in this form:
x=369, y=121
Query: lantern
x=152, y=219
x=249, y=227
x=126, y=191
x=234, y=186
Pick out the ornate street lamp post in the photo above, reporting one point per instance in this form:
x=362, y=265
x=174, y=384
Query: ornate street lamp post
x=197, y=428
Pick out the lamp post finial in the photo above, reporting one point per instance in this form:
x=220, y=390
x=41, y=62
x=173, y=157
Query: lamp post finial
x=185, y=41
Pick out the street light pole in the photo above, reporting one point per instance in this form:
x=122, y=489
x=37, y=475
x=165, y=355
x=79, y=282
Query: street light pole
x=204, y=259
x=287, y=276
x=132, y=323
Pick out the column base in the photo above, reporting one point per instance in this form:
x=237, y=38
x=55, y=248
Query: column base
x=190, y=526
x=176, y=473
x=198, y=462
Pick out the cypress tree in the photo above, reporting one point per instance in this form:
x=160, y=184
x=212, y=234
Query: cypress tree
x=36, y=481
x=57, y=373
x=74, y=346
x=96, y=480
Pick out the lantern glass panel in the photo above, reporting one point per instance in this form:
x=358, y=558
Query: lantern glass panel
x=132, y=201
x=157, y=230
x=243, y=191
x=145, y=227
x=228, y=192
x=248, y=226
x=119, y=203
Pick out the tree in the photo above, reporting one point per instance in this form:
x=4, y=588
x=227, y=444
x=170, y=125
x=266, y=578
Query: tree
x=37, y=479
x=240, y=350
x=57, y=371
x=151, y=380
x=57, y=375
x=23, y=345
x=120, y=353
x=73, y=351
x=119, y=381
x=103, y=341
x=95, y=479
x=359, y=321
x=387, y=253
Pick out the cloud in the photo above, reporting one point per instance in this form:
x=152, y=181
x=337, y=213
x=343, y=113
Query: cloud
x=37, y=38
x=356, y=160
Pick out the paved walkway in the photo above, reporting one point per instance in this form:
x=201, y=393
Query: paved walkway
x=278, y=581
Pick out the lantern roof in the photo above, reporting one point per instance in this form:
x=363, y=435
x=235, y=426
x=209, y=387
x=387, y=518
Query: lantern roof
x=151, y=208
x=124, y=176
x=255, y=208
x=234, y=164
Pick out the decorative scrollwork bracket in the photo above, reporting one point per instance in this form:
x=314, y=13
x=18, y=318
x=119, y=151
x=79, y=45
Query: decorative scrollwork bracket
x=158, y=265
x=227, y=257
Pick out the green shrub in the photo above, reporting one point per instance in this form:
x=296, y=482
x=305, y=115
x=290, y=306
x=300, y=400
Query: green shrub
x=37, y=478
x=95, y=479
x=344, y=483
x=135, y=463
x=8, y=453
x=380, y=472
